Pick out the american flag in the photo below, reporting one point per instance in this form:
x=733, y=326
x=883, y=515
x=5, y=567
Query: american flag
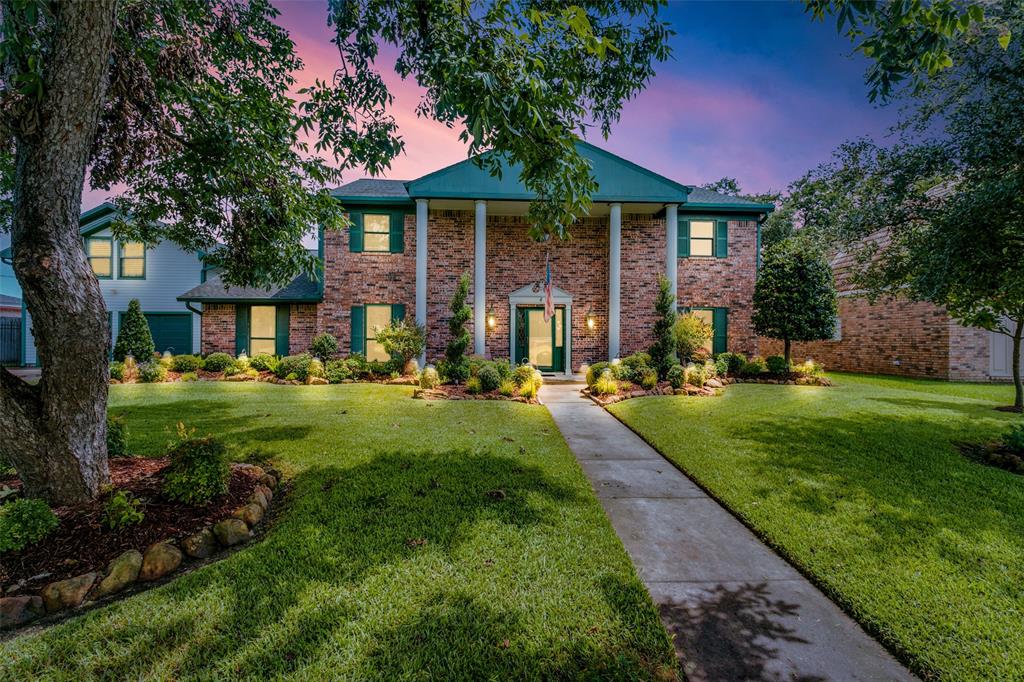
x=549, y=302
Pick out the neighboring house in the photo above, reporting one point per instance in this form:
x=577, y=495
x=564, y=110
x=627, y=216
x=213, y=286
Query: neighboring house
x=126, y=270
x=410, y=242
x=10, y=306
x=898, y=336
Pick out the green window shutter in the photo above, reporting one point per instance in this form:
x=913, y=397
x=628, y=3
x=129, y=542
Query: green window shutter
x=397, y=312
x=684, y=239
x=397, y=237
x=721, y=239
x=720, y=321
x=241, y=329
x=355, y=233
x=358, y=343
x=281, y=331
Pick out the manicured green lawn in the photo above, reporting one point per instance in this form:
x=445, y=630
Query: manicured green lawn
x=531, y=583
x=860, y=486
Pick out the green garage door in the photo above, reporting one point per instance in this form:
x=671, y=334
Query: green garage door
x=171, y=331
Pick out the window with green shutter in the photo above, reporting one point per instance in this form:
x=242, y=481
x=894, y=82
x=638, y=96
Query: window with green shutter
x=718, y=318
x=377, y=232
x=705, y=237
x=366, y=321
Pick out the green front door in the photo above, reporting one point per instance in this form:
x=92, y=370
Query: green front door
x=540, y=343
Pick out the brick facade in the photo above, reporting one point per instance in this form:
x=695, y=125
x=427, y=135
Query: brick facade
x=218, y=328
x=301, y=328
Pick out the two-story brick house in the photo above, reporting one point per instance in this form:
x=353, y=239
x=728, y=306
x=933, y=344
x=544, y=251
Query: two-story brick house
x=410, y=241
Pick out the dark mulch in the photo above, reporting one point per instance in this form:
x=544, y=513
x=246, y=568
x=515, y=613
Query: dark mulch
x=81, y=543
x=460, y=392
x=993, y=454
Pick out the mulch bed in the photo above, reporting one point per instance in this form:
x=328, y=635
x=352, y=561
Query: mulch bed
x=994, y=455
x=81, y=543
x=459, y=392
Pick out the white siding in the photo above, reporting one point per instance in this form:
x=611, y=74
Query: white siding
x=170, y=272
x=1001, y=347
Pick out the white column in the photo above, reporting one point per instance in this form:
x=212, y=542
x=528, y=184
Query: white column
x=672, y=249
x=422, y=206
x=480, y=279
x=614, y=278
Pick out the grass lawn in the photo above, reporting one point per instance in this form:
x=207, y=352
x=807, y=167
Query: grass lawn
x=527, y=585
x=860, y=486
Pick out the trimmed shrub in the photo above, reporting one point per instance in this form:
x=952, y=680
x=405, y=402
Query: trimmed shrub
x=753, y=368
x=507, y=388
x=606, y=384
x=152, y=373
x=633, y=367
x=117, y=436
x=1014, y=439
x=429, y=378
x=337, y=371
x=691, y=334
x=186, y=363
x=198, y=471
x=294, y=364
x=776, y=364
x=456, y=367
x=25, y=522
x=264, y=362
x=324, y=347
x=190, y=376
x=733, y=363
x=473, y=385
x=649, y=378
x=523, y=374
x=117, y=370
x=217, y=362
x=121, y=510
x=695, y=375
x=595, y=372
x=489, y=378
x=663, y=351
x=403, y=340
x=134, y=337
x=676, y=376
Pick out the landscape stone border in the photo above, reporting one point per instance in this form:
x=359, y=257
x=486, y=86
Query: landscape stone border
x=712, y=387
x=152, y=564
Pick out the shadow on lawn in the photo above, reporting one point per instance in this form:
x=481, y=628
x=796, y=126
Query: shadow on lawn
x=345, y=579
x=731, y=631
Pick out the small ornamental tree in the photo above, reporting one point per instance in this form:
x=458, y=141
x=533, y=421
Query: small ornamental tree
x=795, y=295
x=134, y=337
x=663, y=350
x=456, y=365
x=690, y=334
x=403, y=340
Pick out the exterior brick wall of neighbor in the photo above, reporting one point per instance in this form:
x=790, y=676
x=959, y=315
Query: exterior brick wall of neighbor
x=643, y=259
x=969, y=353
x=218, y=328
x=709, y=282
x=579, y=266
x=301, y=328
x=358, y=278
x=889, y=337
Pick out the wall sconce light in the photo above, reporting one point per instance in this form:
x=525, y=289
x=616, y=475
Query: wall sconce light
x=492, y=321
x=591, y=320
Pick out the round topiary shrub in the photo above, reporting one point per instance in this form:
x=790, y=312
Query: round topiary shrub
x=264, y=362
x=753, y=369
x=294, y=364
x=198, y=471
x=152, y=373
x=489, y=378
x=776, y=364
x=523, y=374
x=676, y=376
x=25, y=522
x=429, y=378
x=186, y=363
x=324, y=347
x=217, y=362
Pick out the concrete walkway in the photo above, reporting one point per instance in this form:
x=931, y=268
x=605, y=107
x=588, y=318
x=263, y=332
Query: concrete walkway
x=737, y=610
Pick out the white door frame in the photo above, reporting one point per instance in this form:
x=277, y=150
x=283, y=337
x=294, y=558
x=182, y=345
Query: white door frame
x=533, y=295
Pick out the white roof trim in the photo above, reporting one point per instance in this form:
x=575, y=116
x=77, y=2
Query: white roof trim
x=534, y=293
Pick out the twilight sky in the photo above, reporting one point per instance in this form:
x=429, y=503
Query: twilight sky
x=756, y=91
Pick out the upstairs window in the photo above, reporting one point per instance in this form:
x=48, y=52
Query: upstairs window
x=382, y=232
x=133, y=261
x=100, y=252
x=702, y=238
x=377, y=232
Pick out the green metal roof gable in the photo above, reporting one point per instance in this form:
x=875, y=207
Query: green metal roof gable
x=617, y=180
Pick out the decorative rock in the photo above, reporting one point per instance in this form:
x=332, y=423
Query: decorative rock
x=160, y=559
x=274, y=472
x=67, y=594
x=121, y=572
x=267, y=492
x=269, y=481
x=316, y=381
x=680, y=391
x=251, y=513
x=231, y=532
x=713, y=383
x=17, y=611
x=200, y=545
x=259, y=498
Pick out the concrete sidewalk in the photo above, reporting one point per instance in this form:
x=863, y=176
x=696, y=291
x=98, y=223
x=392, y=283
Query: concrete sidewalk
x=737, y=610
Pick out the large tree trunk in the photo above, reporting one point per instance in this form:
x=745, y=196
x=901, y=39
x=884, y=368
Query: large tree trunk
x=787, y=349
x=1018, y=398
x=54, y=433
